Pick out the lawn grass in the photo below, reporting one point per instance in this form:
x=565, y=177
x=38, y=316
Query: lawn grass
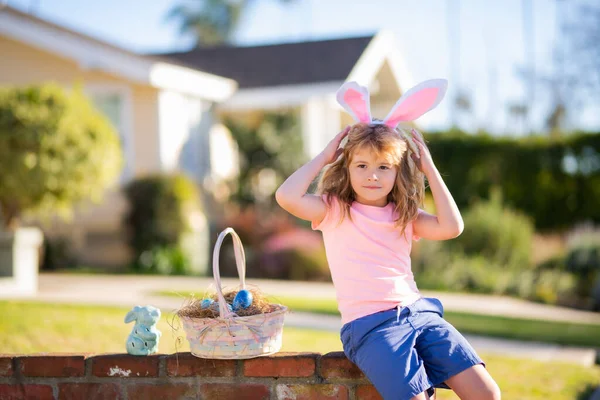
x=31, y=327
x=564, y=333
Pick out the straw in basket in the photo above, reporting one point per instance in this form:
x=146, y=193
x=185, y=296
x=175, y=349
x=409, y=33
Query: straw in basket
x=230, y=336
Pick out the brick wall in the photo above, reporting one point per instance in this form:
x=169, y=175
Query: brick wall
x=182, y=376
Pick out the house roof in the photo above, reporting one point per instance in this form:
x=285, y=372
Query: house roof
x=278, y=64
x=92, y=54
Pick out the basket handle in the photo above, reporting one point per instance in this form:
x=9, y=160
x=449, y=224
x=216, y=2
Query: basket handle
x=240, y=261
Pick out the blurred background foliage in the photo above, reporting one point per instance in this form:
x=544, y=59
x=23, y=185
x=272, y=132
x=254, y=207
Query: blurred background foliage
x=56, y=150
x=159, y=218
x=529, y=205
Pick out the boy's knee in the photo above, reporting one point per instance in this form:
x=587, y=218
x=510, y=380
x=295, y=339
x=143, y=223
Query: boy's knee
x=492, y=393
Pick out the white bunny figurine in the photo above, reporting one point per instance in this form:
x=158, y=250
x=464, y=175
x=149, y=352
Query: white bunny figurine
x=144, y=337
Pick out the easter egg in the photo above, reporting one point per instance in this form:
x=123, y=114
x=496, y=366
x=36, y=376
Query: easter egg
x=206, y=303
x=215, y=307
x=243, y=299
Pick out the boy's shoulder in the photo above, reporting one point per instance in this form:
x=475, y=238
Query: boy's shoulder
x=331, y=199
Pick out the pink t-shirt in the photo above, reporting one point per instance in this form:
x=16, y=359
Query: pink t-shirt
x=369, y=259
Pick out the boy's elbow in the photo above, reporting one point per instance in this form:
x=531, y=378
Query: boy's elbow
x=280, y=198
x=457, y=230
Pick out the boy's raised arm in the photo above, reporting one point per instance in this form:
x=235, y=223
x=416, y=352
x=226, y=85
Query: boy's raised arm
x=292, y=196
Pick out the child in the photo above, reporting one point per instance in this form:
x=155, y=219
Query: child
x=368, y=211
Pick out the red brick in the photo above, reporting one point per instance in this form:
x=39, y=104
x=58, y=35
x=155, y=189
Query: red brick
x=229, y=391
x=185, y=364
x=171, y=391
x=89, y=391
x=282, y=364
x=311, y=392
x=29, y=392
x=367, y=392
x=336, y=365
x=125, y=365
x=6, y=368
x=52, y=365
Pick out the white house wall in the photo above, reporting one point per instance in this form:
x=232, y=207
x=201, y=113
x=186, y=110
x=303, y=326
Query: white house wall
x=320, y=123
x=193, y=141
x=178, y=115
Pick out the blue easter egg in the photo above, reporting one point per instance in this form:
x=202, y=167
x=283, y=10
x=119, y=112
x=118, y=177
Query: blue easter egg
x=206, y=303
x=243, y=299
x=214, y=306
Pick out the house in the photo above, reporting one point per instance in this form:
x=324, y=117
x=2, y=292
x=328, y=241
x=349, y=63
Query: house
x=303, y=77
x=167, y=107
x=162, y=111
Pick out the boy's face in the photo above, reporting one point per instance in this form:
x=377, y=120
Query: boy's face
x=372, y=177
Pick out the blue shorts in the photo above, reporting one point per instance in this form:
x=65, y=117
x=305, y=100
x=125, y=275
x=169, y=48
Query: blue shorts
x=407, y=350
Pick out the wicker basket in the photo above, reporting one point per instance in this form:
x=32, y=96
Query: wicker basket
x=230, y=336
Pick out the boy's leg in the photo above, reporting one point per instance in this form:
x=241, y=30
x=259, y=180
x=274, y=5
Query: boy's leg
x=474, y=383
x=426, y=395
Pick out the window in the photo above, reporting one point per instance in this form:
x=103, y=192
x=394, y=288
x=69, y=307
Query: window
x=115, y=104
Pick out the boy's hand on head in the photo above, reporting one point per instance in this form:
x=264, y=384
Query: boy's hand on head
x=332, y=151
x=424, y=161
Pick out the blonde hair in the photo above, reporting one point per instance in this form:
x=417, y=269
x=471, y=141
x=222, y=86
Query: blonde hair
x=408, y=191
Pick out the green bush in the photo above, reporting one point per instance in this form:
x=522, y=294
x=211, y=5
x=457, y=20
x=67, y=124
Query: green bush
x=583, y=260
x=496, y=233
x=55, y=149
x=304, y=265
x=158, y=220
x=555, y=181
x=490, y=256
x=57, y=254
x=554, y=287
x=457, y=272
x=167, y=260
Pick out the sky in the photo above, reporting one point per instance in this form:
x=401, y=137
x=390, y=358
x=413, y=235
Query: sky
x=479, y=46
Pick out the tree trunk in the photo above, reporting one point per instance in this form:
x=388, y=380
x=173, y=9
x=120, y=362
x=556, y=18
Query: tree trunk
x=10, y=216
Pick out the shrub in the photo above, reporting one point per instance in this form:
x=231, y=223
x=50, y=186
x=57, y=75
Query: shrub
x=167, y=260
x=500, y=235
x=158, y=220
x=554, y=287
x=275, y=247
x=296, y=263
x=57, y=254
x=583, y=260
x=491, y=255
x=444, y=270
x=56, y=150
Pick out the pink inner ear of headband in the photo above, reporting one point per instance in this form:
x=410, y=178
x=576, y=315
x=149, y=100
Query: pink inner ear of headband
x=413, y=107
x=357, y=104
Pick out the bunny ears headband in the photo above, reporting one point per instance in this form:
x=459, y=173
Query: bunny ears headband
x=414, y=103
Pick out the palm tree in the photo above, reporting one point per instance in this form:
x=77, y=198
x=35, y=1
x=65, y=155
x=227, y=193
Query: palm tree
x=212, y=22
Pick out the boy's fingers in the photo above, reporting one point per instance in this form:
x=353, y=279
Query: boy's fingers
x=415, y=134
x=418, y=135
